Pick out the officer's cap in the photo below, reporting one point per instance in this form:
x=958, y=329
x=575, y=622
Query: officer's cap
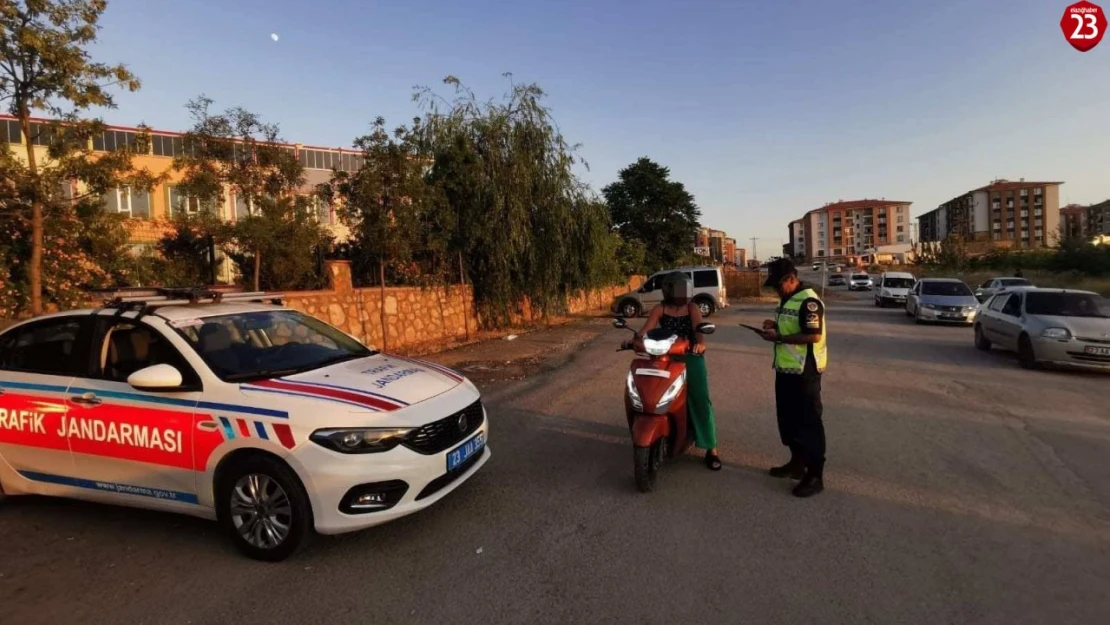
x=779, y=269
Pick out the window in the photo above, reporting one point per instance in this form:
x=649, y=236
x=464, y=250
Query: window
x=1013, y=305
x=128, y=347
x=1037, y=191
x=179, y=203
x=42, y=134
x=1025, y=193
x=50, y=347
x=167, y=146
x=245, y=206
x=945, y=288
x=997, y=302
x=901, y=228
x=901, y=238
x=1059, y=304
x=113, y=140
x=246, y=346
x=134, y=203
x=10, y=132
x=706, y=279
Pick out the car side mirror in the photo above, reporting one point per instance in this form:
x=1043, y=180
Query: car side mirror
x=706, y=328
x=156, y=378
x=619, y=323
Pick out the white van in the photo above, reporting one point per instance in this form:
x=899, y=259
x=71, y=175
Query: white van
x=893, y=287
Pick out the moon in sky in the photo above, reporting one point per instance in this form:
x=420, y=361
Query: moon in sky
x=274, y=36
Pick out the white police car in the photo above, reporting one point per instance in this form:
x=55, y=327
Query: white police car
x=266, y=419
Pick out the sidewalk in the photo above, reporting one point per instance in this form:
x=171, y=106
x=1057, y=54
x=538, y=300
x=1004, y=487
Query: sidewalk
x=530, y=352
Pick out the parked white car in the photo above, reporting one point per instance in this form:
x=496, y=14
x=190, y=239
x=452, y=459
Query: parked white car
x=1047, y=326
x=266, y=419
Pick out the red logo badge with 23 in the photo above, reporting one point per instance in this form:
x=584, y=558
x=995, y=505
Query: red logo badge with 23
x=1083, y=25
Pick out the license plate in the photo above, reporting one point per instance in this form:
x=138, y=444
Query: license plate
x=463, y=452
x=1096, y=351
x=951, y=316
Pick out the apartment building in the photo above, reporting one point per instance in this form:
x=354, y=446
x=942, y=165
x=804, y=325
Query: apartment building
x=715, y=244
x=1073, y=222
x=1098, y=219
x=741, y=257
x=149, y=213
x=845, y=230
x=796, y=239
x=1002, y=213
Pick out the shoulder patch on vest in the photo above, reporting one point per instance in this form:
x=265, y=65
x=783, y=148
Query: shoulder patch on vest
x=812, y=306
x=813, y=320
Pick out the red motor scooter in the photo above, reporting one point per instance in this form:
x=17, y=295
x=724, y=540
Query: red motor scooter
x=655, y=401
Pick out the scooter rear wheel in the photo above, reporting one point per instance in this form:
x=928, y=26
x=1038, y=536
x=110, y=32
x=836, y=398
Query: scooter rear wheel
x=646, y=467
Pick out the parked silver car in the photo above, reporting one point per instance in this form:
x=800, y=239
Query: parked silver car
x=991, y=287
x=709, y=292
x=1053, y=326
x=943, y=300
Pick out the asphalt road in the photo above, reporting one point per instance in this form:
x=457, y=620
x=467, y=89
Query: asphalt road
x=960, y=489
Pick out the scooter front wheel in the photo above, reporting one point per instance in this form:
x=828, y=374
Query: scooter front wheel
x=646, y=465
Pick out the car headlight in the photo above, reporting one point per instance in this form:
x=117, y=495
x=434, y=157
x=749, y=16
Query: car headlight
x=1059, y=334
x=671, y=393
x=360, y=440
x=633, y=394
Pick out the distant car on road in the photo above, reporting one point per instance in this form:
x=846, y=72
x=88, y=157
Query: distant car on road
x=893, y=287
x=1054, y=326
x=944, y=300
x=994, y=285
x=860, y=282
x=837, y=279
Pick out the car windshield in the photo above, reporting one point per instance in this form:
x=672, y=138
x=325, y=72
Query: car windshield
x=897, y=283
x=1065, y=305
x=859, y=276
x=1014, y=282
x=946, y=289
x=266, y=344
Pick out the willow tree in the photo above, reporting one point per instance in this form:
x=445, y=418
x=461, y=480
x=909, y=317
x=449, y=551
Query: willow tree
x=45, y=68
x=386, y=201
x=526, y=226
x=237, y=151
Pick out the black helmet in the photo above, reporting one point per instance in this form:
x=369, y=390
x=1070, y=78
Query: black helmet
x=678, y=290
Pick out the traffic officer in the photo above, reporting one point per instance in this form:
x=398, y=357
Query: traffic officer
x=798, y=332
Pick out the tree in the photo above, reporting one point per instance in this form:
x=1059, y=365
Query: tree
x=236, y=150
x=646, y=205
x=508, y=201
x=284, y=232
x=386, y=202
x=45, y=66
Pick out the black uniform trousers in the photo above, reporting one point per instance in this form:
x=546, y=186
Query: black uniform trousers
x=798, y=404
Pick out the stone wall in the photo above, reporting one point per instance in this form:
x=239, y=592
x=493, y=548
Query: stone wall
x=414, y=318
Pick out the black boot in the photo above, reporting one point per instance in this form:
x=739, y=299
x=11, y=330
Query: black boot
x=811, y=484
x=793, y=470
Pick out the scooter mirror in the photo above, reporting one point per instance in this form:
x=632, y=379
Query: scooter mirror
x=706, y=328
x=619, y=323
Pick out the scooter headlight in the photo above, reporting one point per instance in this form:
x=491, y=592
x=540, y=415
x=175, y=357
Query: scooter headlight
x=659, y=348
x=633, y=394
x=672, y=392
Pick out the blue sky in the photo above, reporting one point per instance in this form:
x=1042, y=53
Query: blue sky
x=763, y=109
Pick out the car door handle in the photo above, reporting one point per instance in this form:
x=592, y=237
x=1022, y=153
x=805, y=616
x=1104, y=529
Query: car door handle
x=208, y=426
x=88, y=399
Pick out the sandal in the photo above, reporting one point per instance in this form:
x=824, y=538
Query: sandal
x=713, y=462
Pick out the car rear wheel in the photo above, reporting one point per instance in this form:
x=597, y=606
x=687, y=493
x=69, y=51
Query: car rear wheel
x=630, y=309
x=264, y=508
x=706, y=307
x=1027, y=358
x=981, y=342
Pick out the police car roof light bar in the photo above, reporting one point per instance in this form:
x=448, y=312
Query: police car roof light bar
x=138, y=299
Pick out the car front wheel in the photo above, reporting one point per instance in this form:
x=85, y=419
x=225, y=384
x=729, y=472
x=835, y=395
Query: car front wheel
x=981, y=342
x=630, y=309
x=263, y=506
x=1027, y=357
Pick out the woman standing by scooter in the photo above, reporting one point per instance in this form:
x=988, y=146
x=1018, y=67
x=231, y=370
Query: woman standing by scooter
x=678, y=314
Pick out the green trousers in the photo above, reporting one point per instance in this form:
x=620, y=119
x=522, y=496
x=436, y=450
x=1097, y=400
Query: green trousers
x=698, y=404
